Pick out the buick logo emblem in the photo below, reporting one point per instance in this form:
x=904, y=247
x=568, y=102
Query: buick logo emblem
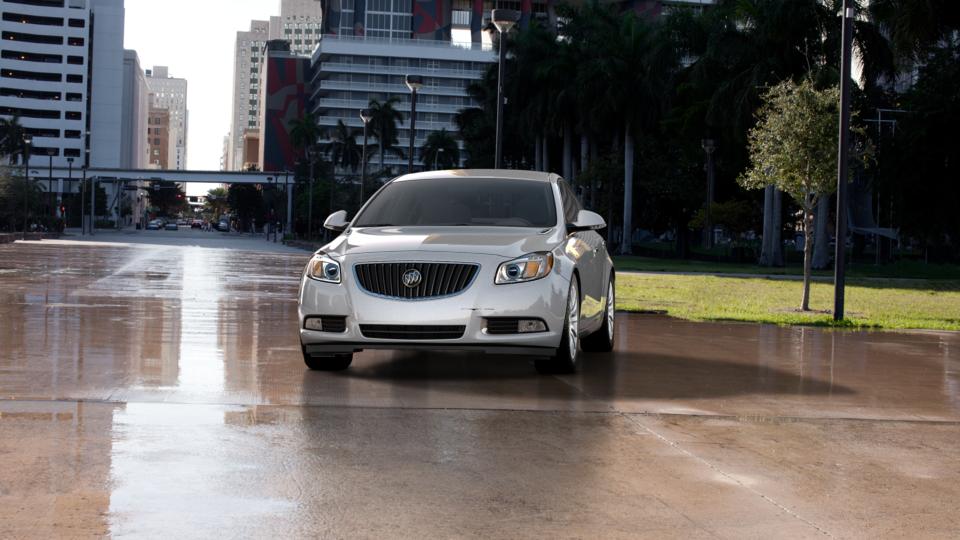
x=411, y=278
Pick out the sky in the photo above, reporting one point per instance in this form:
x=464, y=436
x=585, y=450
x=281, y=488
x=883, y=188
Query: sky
x=195, y=39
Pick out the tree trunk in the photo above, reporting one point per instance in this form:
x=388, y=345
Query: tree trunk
x=593, y=183
x=777, y=248
x=538, y=154
x=381, y=157
x=546, y=153
x=766, y=249
x=568, y=151
x=821, y=247
x=626, y=243
x=807, y=256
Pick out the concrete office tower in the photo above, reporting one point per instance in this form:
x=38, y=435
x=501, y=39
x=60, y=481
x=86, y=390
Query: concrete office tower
x=170, y=93
x=248, y=60
x=301, y=23
x=136, y=106
x=348, y=72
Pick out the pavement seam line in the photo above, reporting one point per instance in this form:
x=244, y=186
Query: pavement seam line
x=675, y=445
x=736, y=418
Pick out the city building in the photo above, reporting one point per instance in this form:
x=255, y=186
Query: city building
x=136, y=106
x=62, y=72
x=285, y=78
x=301, y=23
x=158, y=129
x=248, y=54
x=170, y=93
x=349, y=71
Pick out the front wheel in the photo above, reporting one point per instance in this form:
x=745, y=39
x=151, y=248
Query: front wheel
x=335, y=362
x=602, y=339
x=565, y=359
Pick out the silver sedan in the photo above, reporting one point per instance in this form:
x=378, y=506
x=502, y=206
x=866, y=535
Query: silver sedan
x=489, y=260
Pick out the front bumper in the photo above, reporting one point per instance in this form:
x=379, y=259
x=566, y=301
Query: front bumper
x=543, y=299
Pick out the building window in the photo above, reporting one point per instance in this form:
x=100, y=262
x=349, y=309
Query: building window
x=75, y=60
x=32, y=38
x=78, y=23
x=75, y=41
x=74, y=78
x=74, y=115
x=23, y=18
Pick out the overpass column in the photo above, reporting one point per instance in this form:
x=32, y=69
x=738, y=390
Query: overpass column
x=288, y=188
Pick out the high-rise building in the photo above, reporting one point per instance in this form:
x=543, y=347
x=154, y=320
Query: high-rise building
x=170, y=93
x=158, y=129
x=44, y=70
x=349, y=71
x=248, y=58
x=136, y=105
x=300, y=23
x=62, y=72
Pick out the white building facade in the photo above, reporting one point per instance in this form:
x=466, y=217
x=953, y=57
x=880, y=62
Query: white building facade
x=300, y=23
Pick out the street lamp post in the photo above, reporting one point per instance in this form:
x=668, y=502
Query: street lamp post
x=414, y=83
x=436, y=156
x=69, y=186
x=709, y=146
x=50, y=210
x=839, y=277
x=27, y=141
x=365, y=115
x=83, y=201
x=503, y=19
x=311, y=155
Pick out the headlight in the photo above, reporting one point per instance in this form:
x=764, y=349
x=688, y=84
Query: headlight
x=323, y=268
x=526, y=268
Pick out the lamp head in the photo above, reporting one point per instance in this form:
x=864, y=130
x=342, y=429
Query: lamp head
x=504, y=19
x=414, y=82
x=366, y=115
x=708, y=145
x=28, y=140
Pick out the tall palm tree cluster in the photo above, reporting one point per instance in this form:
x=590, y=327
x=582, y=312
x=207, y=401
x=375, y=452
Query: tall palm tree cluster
x=609, y=92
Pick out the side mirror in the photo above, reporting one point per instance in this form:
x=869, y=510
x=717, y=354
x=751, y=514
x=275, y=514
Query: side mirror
x=337, y=221
x=586, y=221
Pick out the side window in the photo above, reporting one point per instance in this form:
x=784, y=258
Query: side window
x=571, y=206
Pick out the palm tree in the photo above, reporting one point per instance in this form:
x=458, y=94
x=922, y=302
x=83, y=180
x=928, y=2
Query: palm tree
x=304, y=132
x=384, y=126
x=343, y=149
x=11, y=137
x=440, y=150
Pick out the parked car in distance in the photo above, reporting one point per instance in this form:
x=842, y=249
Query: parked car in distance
x=196, y=224
x=154, y=225
x=479, y=260
x=171, y=226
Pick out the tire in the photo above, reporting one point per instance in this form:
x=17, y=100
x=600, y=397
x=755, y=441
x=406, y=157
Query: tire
x=602, y=340
x=335, y=362
x=565, y=358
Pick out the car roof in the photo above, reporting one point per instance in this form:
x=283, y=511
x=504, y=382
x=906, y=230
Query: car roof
x=482, y=173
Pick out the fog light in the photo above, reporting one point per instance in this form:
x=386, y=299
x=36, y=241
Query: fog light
x=525, y=326
x=313, y=323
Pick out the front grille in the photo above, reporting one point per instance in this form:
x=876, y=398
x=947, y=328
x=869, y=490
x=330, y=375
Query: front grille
x=401, y=331
x=437, y=279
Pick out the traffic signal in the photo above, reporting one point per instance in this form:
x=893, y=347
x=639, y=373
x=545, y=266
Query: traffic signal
x=63, y=210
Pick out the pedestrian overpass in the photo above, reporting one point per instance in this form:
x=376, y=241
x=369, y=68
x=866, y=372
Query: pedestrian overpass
x=67, y=180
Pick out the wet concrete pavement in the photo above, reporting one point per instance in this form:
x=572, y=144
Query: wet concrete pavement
x=157, y=390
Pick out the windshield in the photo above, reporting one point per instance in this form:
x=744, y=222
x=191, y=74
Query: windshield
x=487, y=202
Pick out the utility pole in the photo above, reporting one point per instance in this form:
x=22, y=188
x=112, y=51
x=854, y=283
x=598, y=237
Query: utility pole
x=839, y=277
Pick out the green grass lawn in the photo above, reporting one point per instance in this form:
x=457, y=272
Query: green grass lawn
x=873, y=303
x=901, y=269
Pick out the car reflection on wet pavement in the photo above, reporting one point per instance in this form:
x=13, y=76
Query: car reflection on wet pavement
x=158, y=390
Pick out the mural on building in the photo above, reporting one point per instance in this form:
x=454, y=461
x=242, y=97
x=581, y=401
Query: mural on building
x=526, y=7
x=432, y=19
x=284, y=99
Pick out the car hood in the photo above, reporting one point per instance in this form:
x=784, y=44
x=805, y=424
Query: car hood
x=506, y=242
